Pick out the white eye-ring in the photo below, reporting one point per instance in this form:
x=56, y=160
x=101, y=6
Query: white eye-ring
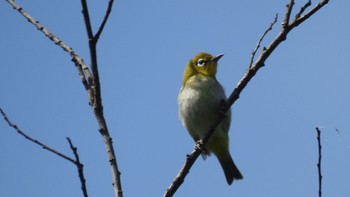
x=201, y=62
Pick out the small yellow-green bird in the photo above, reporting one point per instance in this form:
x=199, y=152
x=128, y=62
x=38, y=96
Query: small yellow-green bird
x=199, y=100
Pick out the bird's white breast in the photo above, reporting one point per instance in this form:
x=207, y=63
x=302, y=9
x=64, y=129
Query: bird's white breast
x=199, y=100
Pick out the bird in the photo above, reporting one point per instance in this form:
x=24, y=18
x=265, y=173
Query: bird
x=200, y=99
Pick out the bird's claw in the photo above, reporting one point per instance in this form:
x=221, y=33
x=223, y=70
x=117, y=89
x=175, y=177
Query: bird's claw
x=199, y=146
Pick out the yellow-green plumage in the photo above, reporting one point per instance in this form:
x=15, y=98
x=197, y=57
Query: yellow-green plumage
x=199, y=101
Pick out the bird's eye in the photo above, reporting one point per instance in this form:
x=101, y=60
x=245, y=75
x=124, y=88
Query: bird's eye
x=201, y=62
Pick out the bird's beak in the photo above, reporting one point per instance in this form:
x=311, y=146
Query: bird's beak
x=216, y=58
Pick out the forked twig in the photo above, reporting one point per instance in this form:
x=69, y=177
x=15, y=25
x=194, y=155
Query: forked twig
x=261, y=39
x=96, y=100
x=46, y=147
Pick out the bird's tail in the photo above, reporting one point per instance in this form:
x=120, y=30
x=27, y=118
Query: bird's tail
x=229, y=167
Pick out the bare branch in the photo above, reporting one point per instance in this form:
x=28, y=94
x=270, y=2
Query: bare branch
x=44, y=146
x=108, y=11
x=96, y=101
x=185, y=169
x=289, y=6
x=302, y=9
x=80, y=167
x=90, y=81
x=301, y=19
x=83, y=70
x=87, y=19
x=252, y=70
x=261, y=39
x=319, y=162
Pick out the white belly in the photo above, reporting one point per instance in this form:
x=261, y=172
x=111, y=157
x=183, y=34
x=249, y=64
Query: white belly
x=199, y=104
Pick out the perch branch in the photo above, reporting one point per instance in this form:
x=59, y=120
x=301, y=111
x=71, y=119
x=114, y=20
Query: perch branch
x=259, y=63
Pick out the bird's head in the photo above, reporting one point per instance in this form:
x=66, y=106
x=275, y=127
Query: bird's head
x=203, y=64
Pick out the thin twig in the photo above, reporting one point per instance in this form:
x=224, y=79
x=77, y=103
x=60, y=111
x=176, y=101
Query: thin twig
x=319, y=162
x=86, y=15
x=252, y=70
x=83, y=70
x=261, y=39
x=301, y=19
x=44, y=146
x=108, y=11
x=80, y=167
x=302, y=9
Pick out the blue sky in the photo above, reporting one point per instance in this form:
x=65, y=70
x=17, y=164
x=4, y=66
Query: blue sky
x=142, y=54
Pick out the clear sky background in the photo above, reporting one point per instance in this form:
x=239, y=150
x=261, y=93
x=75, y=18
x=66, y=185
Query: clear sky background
x=142, y=54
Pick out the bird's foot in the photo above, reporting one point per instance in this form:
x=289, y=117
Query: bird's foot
x=199, y=146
